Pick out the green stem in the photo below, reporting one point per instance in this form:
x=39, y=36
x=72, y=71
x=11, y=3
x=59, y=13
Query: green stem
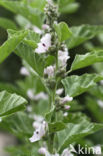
x=69, y=71
x=56, y=61
x=51, y=143
x=53, y=118
x=51, y=135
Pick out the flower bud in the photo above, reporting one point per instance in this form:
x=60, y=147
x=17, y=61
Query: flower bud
x=42, y=151
x=45, y=27
x=49, y=71
x=59, y=91
x=65, y=114
x=66, y=99
x=24, y=71
x=66, y=107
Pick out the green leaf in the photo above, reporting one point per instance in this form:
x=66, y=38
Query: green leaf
x=88, y=59
x=75, y=132
x=11, y=44
x=8, y=87
x=32, y=14
x=83, y=33
x=62, y=31
x=19, y=124
x=75, y=118
x=11, y=88
x=10, y=103
x=7, y=24
x=32, y=44
x=76, y=85
x=32, y=36
x=57, y=126
x=31, y=39
x=35, y=60
x=68, y=6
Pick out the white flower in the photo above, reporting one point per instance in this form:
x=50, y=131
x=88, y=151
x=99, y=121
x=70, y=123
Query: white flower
x=24, y=71
x=100, y=103
x=45, y=27
x=44, y=45
x=46, y=40
x=66, y=99
x=59, y=91
x=39, y=132
x=63, y=57
x=49, y=71
x=36, y=124
x=67, y=107
x=38, y=121
x=36, y=136
x=37, y=30
x=41, y=48
x=66, y=152
x=40, y=128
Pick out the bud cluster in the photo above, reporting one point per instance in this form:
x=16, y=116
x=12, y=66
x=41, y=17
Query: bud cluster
x=51, y=12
